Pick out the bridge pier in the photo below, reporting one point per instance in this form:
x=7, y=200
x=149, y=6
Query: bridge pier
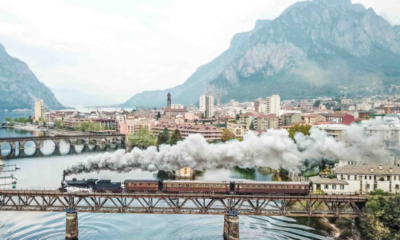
x=71, y=226
x=231, y=227
x=72, y=149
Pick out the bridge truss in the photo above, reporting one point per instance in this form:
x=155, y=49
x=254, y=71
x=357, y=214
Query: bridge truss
x=160, y=203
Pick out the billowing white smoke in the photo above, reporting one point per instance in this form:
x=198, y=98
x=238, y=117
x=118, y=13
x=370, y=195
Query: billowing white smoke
x=271, y=149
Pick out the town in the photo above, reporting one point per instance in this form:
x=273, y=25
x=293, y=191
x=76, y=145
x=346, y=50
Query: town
x=218, y=122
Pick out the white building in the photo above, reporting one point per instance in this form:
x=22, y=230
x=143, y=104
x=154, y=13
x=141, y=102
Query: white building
x=368, y=178
x=207, y=105
x=363, y=106
x=388, y=132
x=39, y=110
x=177, y=106
x=346, y=101
x=273, y=104
x=361, y=179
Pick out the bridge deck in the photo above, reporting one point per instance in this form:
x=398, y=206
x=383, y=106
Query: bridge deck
x=183, y=203
x=358, y=198
x=61, y=137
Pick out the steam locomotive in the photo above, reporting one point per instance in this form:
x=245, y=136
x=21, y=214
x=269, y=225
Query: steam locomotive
x=178, y=186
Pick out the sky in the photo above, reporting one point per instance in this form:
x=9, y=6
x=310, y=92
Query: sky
x=116, y=49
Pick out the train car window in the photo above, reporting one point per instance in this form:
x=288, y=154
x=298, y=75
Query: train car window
x=297, y=187
x=302, y=187
x=180, y=185
x=285, y=187
x=267, y=186
x=280, y=187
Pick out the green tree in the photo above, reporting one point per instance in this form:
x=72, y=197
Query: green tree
x=252, y=126
x=158, y=115
x=227, y=135
x=381, y=218
x=144, y=138
x=317, y=103
x=176, y=137
x=305, y=129
x=163, y=137
x=58, y=123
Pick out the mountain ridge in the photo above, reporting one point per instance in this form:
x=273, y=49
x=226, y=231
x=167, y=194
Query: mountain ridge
x=19, y=87
x=326, y=47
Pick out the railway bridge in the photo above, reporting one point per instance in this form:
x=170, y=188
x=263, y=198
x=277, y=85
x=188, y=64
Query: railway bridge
x=17, y=146
x=231, y=206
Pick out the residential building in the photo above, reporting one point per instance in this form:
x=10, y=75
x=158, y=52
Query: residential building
x=368, y=178
x=257, y=103
x=192, y=108
x=312, y=119
x=334, y=130
x=273, y=122
x=329, y=185
x=261, y=122
x=345, y=101
x=290, y=118
x=169, y=112
x=207, y=105
x=177, y=106
x=273, y=104
x=39, y=110
x=209, y=132
x=238, y=128
x=388, y=132
x=363, y=106
x=339, y=118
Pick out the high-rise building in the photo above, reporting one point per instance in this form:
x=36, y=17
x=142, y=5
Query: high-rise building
x=273, y=104
x=257, y=103
x=207, y=105
x=39, y=110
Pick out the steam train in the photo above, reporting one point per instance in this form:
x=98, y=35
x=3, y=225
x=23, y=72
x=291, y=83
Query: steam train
x=178, y=186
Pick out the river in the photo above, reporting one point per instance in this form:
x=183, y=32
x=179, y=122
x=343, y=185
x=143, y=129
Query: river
x=47, y=172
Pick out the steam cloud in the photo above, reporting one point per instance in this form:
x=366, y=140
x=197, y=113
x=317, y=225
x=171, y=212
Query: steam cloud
x=271, y=149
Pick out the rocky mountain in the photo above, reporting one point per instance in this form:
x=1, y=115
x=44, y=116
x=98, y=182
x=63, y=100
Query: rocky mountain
x=19, y=87
x=314, y=48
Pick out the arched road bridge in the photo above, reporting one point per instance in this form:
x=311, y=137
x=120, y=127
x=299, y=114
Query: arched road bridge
x=100, y=142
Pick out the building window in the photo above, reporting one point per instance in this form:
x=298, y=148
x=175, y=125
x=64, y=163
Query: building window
x=333, y=186
x=355, y=177
x=326, y=186
x=341, y=176
x=394, y=178
x=341, y=187
x=368, y=186
x=365, y=177
x=388, y=178
x=348, y=177
x=397, y=186
x=370, y=177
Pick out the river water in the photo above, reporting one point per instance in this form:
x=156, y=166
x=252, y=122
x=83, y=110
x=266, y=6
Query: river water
x=47, y=172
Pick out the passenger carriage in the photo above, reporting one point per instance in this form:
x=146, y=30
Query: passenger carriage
x=142, y=185
x=271, y=187
x=170, y=186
